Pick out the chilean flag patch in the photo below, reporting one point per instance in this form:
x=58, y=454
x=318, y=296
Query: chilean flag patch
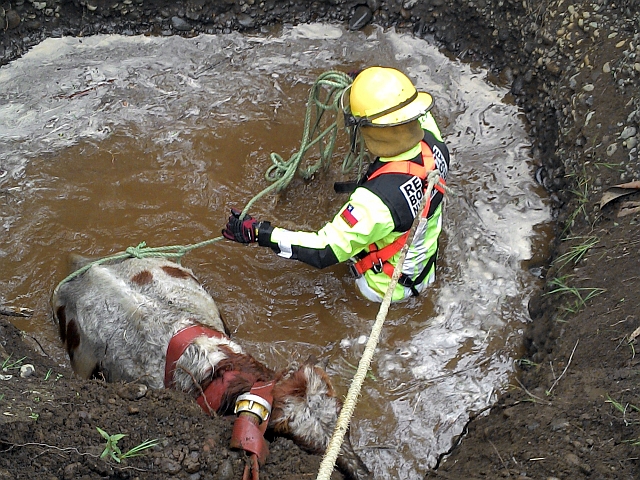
x=349, y=215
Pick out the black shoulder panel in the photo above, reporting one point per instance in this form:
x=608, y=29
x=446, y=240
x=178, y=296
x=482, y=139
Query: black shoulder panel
x=402, y=194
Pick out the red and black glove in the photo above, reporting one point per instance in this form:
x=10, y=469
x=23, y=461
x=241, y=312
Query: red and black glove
x=243, y=230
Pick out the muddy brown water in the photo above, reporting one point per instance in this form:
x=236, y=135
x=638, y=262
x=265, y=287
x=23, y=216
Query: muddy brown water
x=110, y=141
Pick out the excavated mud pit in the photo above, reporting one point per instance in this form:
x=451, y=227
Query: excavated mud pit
x=153, y=139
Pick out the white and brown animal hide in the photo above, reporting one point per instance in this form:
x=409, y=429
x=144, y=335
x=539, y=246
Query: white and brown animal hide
x=116, y=320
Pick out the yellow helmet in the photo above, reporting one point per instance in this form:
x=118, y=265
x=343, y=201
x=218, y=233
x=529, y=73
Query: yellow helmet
x=384, y=97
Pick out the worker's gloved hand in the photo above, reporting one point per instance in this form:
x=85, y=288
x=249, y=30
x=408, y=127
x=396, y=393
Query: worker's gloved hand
x=243, y=230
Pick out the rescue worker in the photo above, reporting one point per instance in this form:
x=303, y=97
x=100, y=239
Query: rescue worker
x=370, y=229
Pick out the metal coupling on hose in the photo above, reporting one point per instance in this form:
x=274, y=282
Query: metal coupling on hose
x=248, y=402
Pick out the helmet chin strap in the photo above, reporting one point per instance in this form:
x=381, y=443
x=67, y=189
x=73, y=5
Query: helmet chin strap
x=353, y=136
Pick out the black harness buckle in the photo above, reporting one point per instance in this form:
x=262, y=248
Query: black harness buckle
x=352, y=268
x=405, y=281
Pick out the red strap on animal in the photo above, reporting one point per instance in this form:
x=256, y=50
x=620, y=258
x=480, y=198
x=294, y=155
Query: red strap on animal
x=251, y=468
x=211, y=398
x=263, y=390
x=179, y=343
x=248, y=436
x=247, y=433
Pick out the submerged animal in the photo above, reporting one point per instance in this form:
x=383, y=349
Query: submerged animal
x=151, y=321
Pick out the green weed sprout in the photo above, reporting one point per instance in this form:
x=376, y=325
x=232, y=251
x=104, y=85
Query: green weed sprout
x=582, y=295
x=623, y=409
x=8, y=364
x=111, y=449
x=575, y=253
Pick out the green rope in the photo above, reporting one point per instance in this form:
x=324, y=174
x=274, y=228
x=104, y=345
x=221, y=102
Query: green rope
x=332, y=84
x=325, y=95
x=140, y=251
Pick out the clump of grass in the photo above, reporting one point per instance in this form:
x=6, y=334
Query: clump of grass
x=624, y=409
x=49, y=375
x=581, y=294
x=112, y=451
x=9, y=365
x=576, y=252
x=581, y=193
x=526, y=363
x=616, y=167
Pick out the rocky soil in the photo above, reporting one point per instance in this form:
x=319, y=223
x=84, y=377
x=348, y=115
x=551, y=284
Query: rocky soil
x=573, y=411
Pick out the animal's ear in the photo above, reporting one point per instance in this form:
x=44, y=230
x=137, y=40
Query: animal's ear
x=312, y=360
x=75, y=261
x=227, y=331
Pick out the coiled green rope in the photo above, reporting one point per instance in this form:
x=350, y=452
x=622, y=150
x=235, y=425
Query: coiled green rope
x=325, y=94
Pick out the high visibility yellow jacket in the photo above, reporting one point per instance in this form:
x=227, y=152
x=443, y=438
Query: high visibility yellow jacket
x=378, y=212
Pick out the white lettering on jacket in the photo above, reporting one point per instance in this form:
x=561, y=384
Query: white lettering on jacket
x=441, y=163
x=412, y=191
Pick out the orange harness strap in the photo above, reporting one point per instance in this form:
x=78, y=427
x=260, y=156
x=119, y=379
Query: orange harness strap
x=407, y=167
x=378, y=258
x=430, y=165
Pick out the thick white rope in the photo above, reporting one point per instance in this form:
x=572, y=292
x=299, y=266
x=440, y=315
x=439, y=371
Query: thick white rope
x=342, y=425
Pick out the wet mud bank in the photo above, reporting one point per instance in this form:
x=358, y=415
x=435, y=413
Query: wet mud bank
x=573, y=410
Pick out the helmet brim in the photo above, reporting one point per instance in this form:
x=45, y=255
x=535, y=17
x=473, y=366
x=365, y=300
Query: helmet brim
x=421, y=105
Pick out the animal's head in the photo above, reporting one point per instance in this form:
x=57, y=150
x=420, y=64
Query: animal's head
x=305, y=408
